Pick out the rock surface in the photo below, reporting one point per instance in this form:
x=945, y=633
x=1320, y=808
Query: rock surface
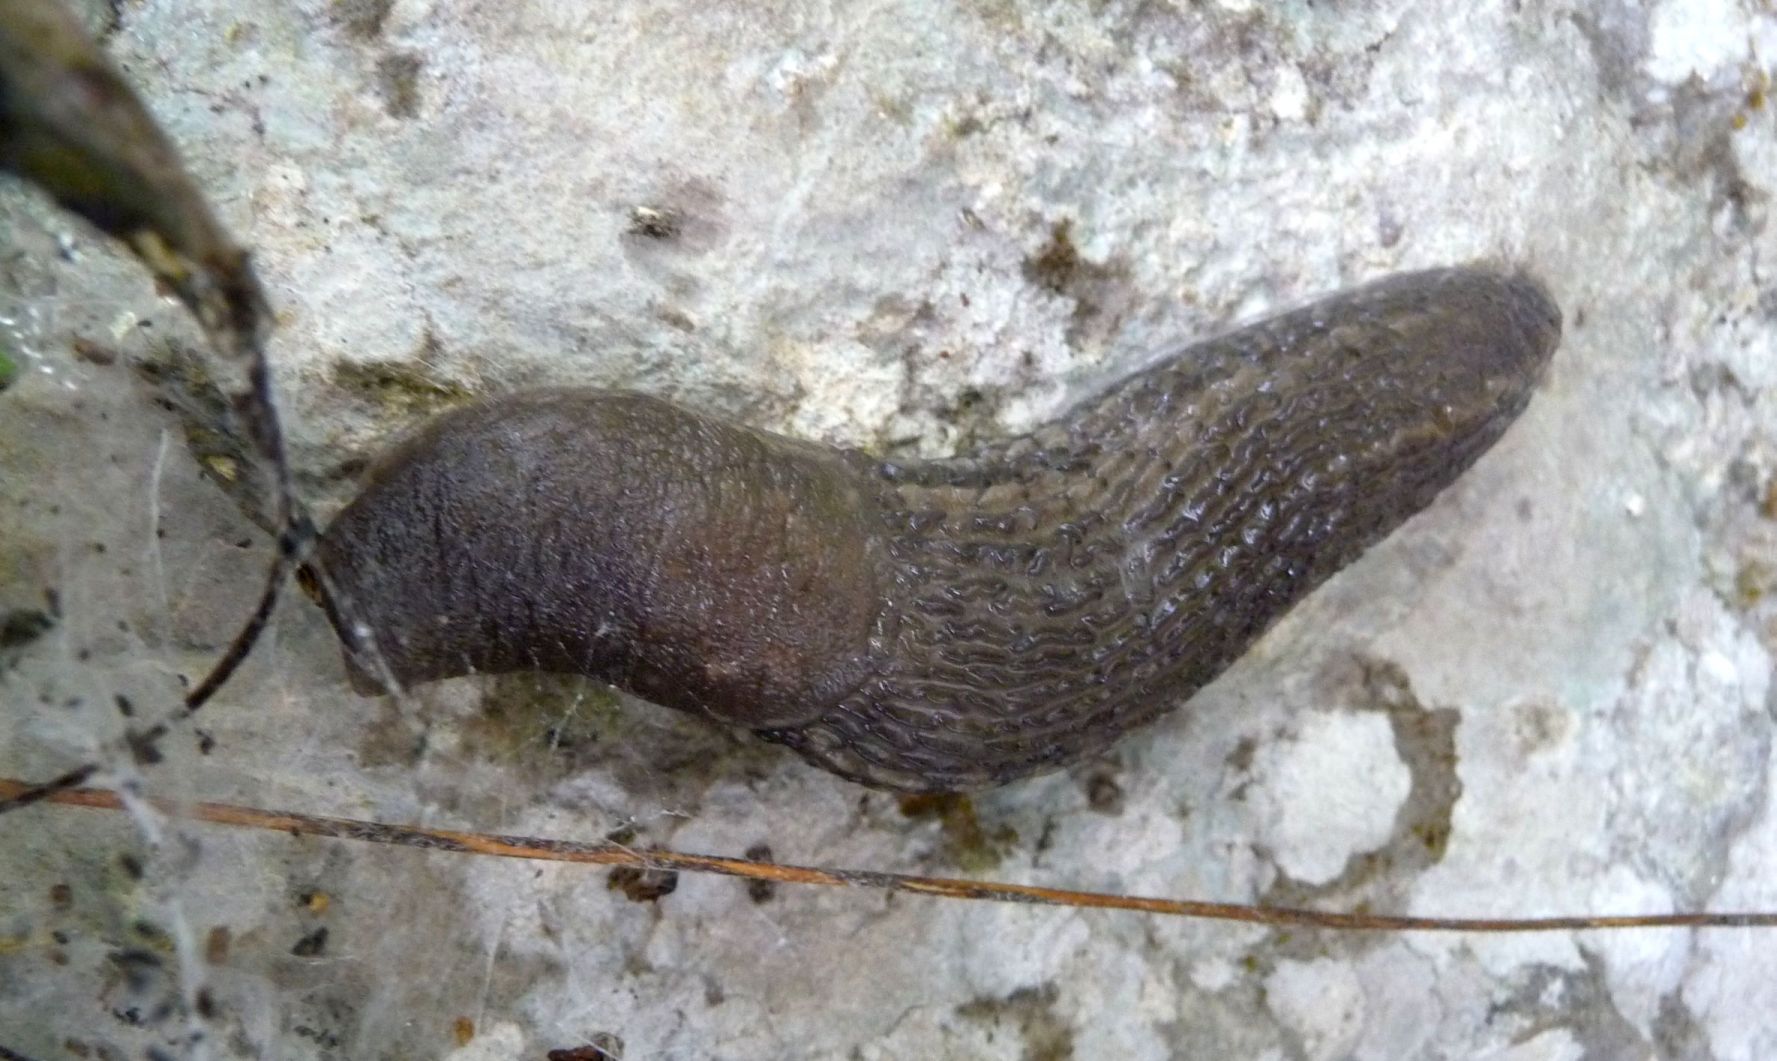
x=903, y=225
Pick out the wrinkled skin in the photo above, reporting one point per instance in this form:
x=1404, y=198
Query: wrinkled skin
x=941, y=625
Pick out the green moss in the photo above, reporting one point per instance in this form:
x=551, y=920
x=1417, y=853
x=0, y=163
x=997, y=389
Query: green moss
x=1435, y=835
x=9, y=369
x=1752, y=583
x=969, y=844
x=530, y=718
x=399, y=386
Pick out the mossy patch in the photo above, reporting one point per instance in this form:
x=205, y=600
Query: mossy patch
x=399, y=387
x=527, y=716
x=9, y=369
x=969, y=844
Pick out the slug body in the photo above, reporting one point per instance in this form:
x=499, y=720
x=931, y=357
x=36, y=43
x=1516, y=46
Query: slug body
x=942, y=625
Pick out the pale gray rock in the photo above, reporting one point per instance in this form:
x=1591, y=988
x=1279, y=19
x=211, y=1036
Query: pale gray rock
x=905, y=225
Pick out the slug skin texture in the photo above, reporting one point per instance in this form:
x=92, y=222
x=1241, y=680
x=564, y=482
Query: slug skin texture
x=941, y=625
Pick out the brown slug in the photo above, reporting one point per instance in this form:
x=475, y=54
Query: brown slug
x=937, y=625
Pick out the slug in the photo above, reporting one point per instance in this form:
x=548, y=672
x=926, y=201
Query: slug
x=938, y=625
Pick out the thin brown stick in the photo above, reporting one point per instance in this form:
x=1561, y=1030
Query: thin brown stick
x=608, y=854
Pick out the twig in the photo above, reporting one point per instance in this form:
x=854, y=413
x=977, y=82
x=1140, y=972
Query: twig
x=609, y=854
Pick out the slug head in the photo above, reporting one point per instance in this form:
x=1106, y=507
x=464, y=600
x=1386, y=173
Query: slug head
x=1475, y=343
